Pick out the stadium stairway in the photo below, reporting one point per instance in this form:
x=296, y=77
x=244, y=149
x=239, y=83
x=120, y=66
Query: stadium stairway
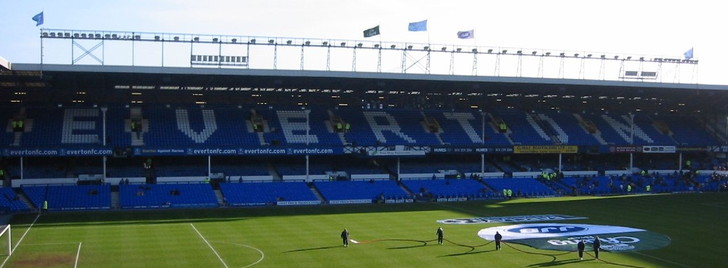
x=25, y=199
x=316, y=192
x=115, y=197
x=220, y=198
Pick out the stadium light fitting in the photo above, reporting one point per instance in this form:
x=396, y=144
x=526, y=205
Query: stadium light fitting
x=393, y=46
x=252, y=41
x=534, y=52
x=562, y=54
x=409, y=47
x=359, y=45
x=490, y=50
x=519, y=52
x=343, y=44
x=629, y=57
x=234, y=40
x=444, y=48
x=616, y=57
x=505, y=51
x=196, y=39
x=325, y=43
x=588, y=55
x=576, y=55
x=459, y=49
x=376, y=45
x=426, y=48
x=214, y=40
x=548, y=54
x=604, y=56
x=475, y=50
x=271, y=41
x=289, y=42
x=308, y=43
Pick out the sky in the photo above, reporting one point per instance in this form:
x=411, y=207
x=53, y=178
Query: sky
x=659, y=28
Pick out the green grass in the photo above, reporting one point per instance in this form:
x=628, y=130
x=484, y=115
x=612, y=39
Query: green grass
x=309, y=236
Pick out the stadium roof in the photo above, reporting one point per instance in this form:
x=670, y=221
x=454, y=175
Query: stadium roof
x=352, y=87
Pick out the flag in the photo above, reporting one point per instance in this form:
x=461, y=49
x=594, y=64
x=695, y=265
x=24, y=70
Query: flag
x=688, y=54
x=419, y=26
x=371, y=32
x=466, y=34
x=38, y=19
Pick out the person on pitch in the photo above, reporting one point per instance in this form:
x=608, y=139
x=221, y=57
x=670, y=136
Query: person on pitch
x=440, y=234
x=345, y=237
x=596, y=244
x=580, y=247
x=498, y=238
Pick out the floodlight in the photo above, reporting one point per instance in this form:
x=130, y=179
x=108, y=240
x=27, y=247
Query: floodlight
x=176, y=38
x=343, y=44
x=271, y=41
x=325, y=43
x=505, y=51
x=576, y=55
x=234, y=40
x=534, y=52
x=392, y=46
x=289, y=42
x=409, y=47
x=376, y=45
x=562, y=54
x=359, y=45
x=426, y=48
x=444, y=48
x=475, y=50
x=519, y=52
x=548, y=54
x=459, y=49
x=308, y=43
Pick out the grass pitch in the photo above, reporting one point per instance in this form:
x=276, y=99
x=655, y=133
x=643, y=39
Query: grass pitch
x=391, y=235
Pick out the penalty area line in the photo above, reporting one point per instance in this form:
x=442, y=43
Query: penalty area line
x=660, y=259
x=78, y=252
x=20, y=240
x=208, y=244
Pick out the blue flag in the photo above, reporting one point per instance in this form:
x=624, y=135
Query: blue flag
x=466, y=34
x=419, y=26
x=688, y=54
x=38, y=19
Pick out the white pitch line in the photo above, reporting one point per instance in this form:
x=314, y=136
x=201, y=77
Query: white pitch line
x=20, y=240
x=78, y=252
x=660, y=259
x=208, y=244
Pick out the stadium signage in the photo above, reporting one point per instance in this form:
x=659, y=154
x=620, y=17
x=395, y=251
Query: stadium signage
x=625, y=149
x=470, y=150
x=564, y=237
x=545, y=149
x=523, y=218
x=237, y=151
x=659, y=149
x=58, y=152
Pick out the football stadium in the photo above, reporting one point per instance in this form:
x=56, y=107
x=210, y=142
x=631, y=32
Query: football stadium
x=150, y=149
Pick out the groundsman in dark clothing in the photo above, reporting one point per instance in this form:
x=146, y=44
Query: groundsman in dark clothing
x=580, y=247
x=440, y=235
x=345, y=237
x=498, y=238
